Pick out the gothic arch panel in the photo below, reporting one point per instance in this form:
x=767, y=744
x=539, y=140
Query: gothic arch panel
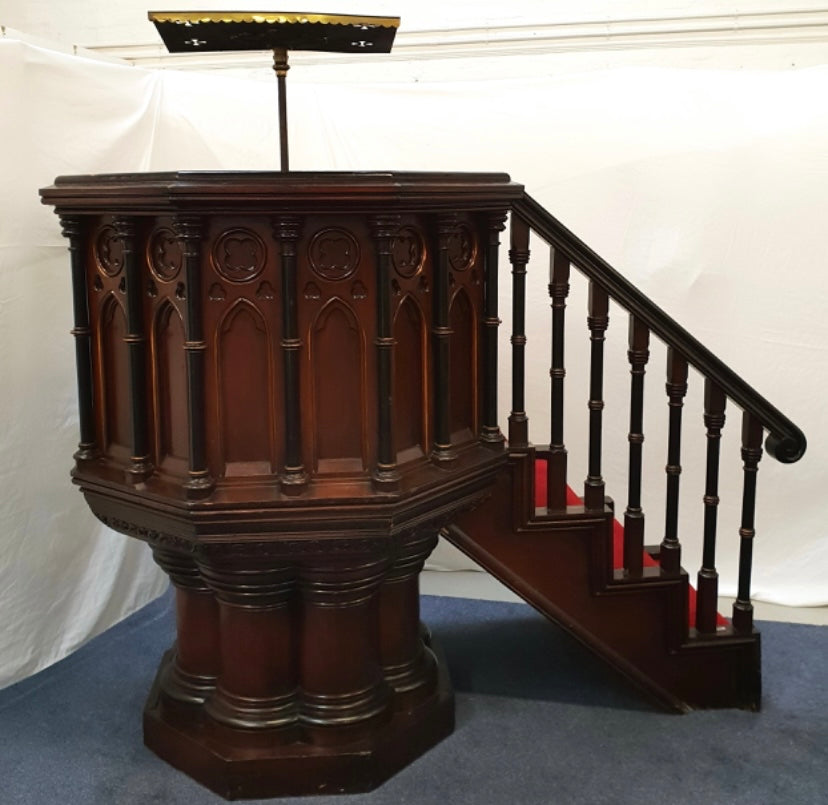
x=410, y=393
x=115, y=385
x=245, y=392
x=337, y=350
x=170, y=391
x=463, y=364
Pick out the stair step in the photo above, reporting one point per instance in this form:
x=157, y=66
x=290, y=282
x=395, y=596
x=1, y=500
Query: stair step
x=561, y=563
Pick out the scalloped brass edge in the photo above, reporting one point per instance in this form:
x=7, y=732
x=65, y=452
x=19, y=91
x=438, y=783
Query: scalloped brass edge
x=270, y=18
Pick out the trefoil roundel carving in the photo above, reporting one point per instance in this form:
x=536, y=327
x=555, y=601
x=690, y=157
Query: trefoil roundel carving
x=109, y=251
x=462, y=248
x=408, y=252
x=334, y=254
x=165, y=254
x=239, y=255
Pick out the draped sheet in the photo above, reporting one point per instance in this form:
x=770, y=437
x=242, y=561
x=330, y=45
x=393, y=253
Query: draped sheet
x=708, y=189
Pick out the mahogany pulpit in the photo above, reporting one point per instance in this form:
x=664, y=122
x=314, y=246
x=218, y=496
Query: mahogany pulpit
x=287, y=387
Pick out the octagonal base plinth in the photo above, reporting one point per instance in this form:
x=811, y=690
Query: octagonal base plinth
x=254, y=764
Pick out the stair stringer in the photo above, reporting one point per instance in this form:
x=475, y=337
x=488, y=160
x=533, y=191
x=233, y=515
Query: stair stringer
x=561, y=564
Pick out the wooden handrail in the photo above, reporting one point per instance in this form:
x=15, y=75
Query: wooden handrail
x=785, y=441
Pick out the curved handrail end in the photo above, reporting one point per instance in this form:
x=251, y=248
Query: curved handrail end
x=786, y=449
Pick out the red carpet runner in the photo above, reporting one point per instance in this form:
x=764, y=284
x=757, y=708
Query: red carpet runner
x=617, y=537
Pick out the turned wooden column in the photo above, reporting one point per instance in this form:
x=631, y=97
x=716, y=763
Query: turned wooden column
x=344, y=692
x=408, y=664
x=257, y=684
x=191, y=677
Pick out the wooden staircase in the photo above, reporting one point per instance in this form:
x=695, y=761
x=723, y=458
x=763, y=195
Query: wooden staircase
x=561, y=563
x=559, y=557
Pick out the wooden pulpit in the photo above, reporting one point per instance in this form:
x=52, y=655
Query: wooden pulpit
x=287, y=387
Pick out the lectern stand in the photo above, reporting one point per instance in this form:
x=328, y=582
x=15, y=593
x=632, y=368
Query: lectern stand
x=287, y=387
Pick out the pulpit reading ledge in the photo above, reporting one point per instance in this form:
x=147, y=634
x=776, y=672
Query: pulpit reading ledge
x=287, y=387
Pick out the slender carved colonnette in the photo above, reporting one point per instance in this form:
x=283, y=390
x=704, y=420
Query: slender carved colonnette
x=189, y=231
x=74, y=230
x=288, y=229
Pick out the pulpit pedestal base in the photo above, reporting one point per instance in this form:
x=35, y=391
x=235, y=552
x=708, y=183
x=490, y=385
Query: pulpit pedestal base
x=247, y=764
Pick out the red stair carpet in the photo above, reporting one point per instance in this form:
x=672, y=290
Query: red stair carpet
x=617, y=537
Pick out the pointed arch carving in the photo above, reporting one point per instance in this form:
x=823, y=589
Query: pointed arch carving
x=463, y=363
x=115, y=378
x=169, y=373
x=411, y=388
x=246, y=392
x=339, y=394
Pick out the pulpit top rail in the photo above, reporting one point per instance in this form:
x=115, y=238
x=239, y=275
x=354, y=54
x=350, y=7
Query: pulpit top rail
x=183, y=191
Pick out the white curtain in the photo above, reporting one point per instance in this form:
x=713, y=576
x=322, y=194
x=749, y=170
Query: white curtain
x=707, y=189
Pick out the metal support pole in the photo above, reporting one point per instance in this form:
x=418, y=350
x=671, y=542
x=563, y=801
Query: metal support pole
x=280, y=67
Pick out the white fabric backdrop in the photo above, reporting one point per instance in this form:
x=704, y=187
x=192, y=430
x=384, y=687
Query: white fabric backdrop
x=706, y=188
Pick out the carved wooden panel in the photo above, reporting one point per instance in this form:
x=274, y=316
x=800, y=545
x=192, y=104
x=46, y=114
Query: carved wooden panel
x=337, y=351
x=463, y=362
x=114, y=364
x=169, y=390
x=411, y=286
x=411, y=387
x=244, y=401
x=336, y=289
x=245, y=404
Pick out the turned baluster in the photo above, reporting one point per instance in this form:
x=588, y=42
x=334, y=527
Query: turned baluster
x=676, y=387
x=490, y=431
x=751, y=455
x=73, y=229
x=140, y=466
x=189, y=231
x=556, y=464
x=518, y=257
x=638, y=355
x=597, y=321
x=708, y=578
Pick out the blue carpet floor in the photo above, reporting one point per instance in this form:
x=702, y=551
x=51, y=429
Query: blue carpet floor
x=539, y=721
